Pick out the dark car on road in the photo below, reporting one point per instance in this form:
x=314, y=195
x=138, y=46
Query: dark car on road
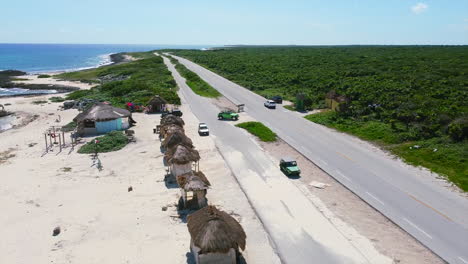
x=278, y=99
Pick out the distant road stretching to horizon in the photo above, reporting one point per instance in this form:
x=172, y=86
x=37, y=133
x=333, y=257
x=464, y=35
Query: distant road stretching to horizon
x=430, y=212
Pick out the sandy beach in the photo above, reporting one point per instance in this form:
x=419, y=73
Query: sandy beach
x=100, y=221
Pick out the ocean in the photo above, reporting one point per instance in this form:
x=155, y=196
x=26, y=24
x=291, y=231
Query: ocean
x=37, y=58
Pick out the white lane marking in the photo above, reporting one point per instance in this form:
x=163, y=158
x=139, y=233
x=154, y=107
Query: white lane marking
x=377, y=199
x=342, y=175
x=322, y=161
x=417, y=227
x=464, y=261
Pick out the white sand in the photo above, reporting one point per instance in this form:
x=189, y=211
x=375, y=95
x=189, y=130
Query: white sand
x=100, y=221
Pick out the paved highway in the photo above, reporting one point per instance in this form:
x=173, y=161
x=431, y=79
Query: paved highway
x=418, y=203
x=298, y=230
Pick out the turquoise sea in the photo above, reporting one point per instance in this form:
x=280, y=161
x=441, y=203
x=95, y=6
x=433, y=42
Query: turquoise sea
x=37, y=58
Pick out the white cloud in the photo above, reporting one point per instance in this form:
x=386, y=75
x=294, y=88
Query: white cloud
x=419, y=8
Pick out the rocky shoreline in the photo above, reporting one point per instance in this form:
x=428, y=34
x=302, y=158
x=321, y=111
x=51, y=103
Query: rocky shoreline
x=8, y=76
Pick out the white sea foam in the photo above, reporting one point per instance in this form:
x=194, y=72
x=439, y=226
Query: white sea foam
x=6, y=122
x=21, y=91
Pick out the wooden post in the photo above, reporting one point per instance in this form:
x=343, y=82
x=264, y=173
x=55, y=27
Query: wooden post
x=60, y=142
x=63, y=137
x=55, y=135
x=50, y=139
x=46, y=147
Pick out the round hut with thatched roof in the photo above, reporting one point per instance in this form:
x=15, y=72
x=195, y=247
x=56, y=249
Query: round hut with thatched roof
x=172, y=120
x=102, y=118
x=215, y=236
x=156, y=104
x=193, y=187
x=166, y=130
x=176, y=138
x=181, y=159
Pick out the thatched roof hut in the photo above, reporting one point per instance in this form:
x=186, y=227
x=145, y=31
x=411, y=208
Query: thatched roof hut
x=102, y=118
x=156, y=104
x=177, y=138
x=169, y=129
x=172, y=119
x=101, y=112
x=193, y=181
x=215, y=231
x=181, y=154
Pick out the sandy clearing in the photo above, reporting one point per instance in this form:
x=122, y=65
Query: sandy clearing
x=100, y=221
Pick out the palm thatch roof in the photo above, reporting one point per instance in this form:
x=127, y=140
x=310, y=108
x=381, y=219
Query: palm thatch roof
x=172, y=119
x=193, y=181
x=177, y=138
x=156, y=100
x=181, y=154
x=101, y=112
x=215, y=231
x=170, y=128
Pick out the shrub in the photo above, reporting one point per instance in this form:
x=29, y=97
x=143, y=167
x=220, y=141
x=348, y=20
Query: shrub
x=259, y=130
x=78, y=94
x=458, y=129
x=44, y=76
x=112, y=141
x=56, y=99
x=40, y=102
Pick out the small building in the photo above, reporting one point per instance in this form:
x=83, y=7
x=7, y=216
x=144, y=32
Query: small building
x=334, y=101
x=102, y=118
x=181, y=159
x=156, y=104
x=216, y=237
x=193, y=187
x=176, y=138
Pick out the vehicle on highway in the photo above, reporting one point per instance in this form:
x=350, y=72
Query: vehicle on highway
x=289, y=167
x=278, y=99
x=270, y=104
x=228, y=115
x=203, y=129
x=175, y=112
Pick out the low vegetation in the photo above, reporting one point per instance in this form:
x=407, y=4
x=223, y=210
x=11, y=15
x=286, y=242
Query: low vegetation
x=112, y=141
x=440, y=154
x=40, y=102
x=394, y=94
x=44, y=76
x=56, y=99
x=259, y=130
x=194, y=81
x=136, y=82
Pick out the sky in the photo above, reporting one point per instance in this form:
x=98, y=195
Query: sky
x=231, y=22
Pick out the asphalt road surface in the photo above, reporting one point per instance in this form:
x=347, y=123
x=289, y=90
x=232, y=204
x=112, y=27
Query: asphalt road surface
x=298, y=230
x=421, y=205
